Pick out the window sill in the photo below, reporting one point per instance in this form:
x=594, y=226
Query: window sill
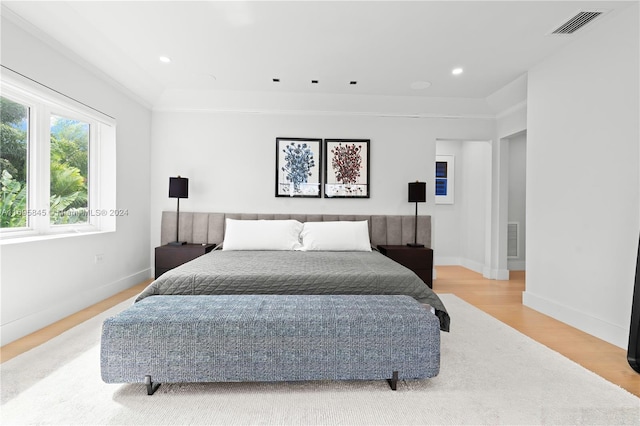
x=31, y=237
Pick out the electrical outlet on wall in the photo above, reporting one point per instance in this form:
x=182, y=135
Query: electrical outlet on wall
x=99, y=258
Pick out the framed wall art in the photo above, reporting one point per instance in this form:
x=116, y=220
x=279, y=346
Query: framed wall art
x=444, y=179
x=298, y=163
x=346, y=168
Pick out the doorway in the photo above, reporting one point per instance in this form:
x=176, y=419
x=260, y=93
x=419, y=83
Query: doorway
x=516, y=215
x=462, y=222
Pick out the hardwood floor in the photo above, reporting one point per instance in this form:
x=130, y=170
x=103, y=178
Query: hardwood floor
x=37, y=338
x=501, y=299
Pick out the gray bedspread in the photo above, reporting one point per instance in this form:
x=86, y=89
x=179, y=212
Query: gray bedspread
x=295, y=272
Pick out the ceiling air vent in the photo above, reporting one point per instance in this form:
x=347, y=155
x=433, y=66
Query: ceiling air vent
x=577, y=22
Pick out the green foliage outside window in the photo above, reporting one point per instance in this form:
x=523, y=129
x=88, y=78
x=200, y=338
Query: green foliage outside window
x=68, y=202
x=13, y=164
x=13, y=202
x=69, y=160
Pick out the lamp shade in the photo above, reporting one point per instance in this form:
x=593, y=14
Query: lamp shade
x=417, y=192
x=178, y=187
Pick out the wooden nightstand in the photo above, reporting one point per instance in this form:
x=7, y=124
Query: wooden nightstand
x=168, y=257
x=418, y=259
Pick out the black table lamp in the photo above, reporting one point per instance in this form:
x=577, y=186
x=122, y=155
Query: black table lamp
x=178, y=188
x=417, y=194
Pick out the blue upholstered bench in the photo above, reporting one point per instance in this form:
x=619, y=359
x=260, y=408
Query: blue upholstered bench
x=174, y=339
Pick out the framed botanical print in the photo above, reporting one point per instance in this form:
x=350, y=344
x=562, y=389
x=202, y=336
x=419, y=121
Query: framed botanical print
x=346, y=168
x=298, y=163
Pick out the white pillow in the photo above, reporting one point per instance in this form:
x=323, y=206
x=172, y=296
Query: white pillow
x=262, y=235
x=335, y=236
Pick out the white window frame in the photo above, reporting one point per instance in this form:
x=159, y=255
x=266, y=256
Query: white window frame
x=43, y=103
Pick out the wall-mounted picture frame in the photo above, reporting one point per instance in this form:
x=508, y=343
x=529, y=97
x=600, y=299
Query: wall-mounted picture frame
x=298, y=162
x=346, y=168
x=445, y=179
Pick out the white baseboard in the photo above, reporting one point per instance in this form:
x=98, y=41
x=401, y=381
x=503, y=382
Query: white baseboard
x=24, y=326
x=516, y=265
x=496, y=274
x=492, y=274
x=586, y=322
x=473, y=265
x=446, y=261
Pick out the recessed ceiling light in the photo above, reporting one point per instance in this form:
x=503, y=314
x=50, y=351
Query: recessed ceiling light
x=457, y=71
x=164, y=59
x=420, y=85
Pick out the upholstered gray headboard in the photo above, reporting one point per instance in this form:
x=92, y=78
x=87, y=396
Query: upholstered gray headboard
x=201, y=228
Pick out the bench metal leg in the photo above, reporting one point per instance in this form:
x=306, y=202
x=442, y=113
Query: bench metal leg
x=393, y=381
x=151, y=387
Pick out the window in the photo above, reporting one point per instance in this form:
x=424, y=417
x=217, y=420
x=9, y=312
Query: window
x=57, y=163
x=68, y=171
x=14, y=134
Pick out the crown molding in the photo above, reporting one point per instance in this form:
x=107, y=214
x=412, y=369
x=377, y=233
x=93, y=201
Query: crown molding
x=265, y=111
x=511, y=109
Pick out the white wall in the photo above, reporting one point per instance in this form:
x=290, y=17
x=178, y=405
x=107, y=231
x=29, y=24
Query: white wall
x=447, y=218
x=517, y=196
x=229, y=159
x=583, y=204
x=461, y=229
x=509, y=103
x=476, y=204
x=44, y=281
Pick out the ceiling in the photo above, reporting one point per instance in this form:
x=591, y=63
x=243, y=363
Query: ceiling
x=386, y=47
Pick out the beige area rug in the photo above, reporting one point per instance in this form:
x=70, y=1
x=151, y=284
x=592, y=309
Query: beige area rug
x=490, y=374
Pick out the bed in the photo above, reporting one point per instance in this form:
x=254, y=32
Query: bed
x=281, y=300
x=294, y=271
